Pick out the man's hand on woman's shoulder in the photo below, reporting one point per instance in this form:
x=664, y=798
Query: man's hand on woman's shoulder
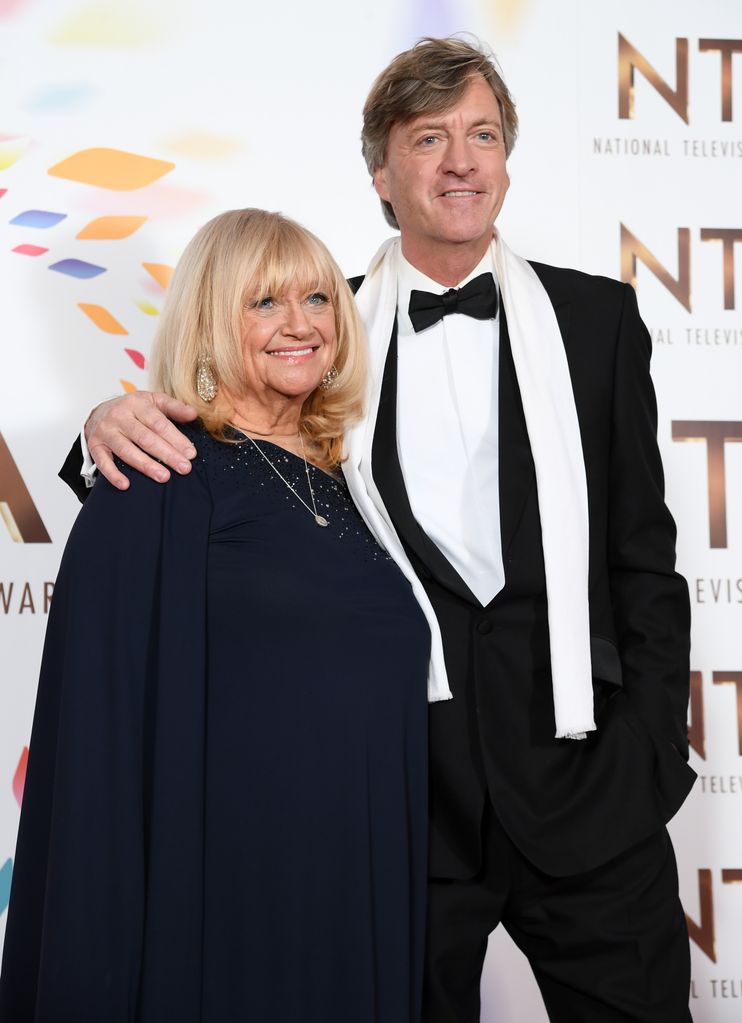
x=137, y=429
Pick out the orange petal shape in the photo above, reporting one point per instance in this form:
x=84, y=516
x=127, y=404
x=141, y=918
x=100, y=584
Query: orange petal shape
x=128, y=386
x=111, y=168
x=136, y=357
x=102, y=318
x=111, y=228
x=19, y=778
x=160, y=271
x=203, y=144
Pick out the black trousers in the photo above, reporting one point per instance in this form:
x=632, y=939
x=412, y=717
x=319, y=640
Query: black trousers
x=606, y=946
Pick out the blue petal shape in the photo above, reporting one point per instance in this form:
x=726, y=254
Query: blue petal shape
x=38, y=218
x=6, y=872
x=55, y=97
x=77, y=268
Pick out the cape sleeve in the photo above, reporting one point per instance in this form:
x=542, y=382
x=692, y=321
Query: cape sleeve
x=104, y=920
x=70, y=472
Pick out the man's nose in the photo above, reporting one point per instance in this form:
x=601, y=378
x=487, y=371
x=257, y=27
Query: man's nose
x=458, y=158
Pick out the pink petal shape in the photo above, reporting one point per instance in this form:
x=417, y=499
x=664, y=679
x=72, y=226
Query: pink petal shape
x=30, y=250
x=135, y=356
x=19, y=778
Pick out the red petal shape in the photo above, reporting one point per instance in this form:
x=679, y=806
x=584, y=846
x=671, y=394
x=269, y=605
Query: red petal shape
x=136, y=357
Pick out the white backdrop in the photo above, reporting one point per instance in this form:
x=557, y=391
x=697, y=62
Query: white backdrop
x=259, y=104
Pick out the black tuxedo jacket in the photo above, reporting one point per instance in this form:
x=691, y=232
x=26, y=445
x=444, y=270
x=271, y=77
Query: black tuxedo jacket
x=568, y=805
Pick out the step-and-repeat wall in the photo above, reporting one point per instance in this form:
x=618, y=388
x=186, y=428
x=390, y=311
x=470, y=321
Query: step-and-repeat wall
x=125, y=124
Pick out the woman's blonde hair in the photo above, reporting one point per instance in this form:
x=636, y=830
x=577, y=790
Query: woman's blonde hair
x=240, y=256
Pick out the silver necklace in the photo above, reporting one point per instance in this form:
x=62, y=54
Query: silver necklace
x=319, y=519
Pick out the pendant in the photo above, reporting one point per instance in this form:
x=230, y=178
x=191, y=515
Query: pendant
x=321, y=520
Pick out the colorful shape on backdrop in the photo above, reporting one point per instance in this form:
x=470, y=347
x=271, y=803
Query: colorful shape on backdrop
x=161, y=272
x=101, y=317
x=437, y=18
x=148, y=308
x=30, y=250
x=165, y=201
x=111, y=228
x=77, y=268
x=202, y=145
x=38, y=218
x=2, y=192
x=60, y=97
x=19, y=778
x=506, y=16
x=128, y=386
x=111, y=168
x=110, y=24
x=136, y=357
x=12, y=148
x=10, y=7
x=6, y=873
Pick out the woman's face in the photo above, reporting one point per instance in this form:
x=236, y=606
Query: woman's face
x=289, y=343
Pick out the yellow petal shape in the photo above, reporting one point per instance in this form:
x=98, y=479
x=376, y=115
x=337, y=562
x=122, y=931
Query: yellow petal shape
x=102, y=318
x=111, y=168
x=160, y=271
x=111, y=228
x=148, y=308
x=12, y=149
x=128, y=386
x=114, y=25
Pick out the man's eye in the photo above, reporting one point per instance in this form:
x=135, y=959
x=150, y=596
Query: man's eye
x=428, y=140
x=318, y=298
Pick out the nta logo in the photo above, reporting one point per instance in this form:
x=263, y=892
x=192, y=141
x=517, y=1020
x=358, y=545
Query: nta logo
x=16, y=504
x=631, y=60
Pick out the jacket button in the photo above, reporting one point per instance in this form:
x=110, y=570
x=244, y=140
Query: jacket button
x=484, y=626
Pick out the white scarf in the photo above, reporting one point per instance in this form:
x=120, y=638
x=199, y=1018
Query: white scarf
x=554, y=434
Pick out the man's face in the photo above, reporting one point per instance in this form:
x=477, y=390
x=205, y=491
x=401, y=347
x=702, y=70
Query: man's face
x=445, y=177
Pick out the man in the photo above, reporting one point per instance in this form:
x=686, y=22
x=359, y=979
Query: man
x=511, y=443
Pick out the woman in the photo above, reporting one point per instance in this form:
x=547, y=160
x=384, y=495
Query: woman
x=225, y=807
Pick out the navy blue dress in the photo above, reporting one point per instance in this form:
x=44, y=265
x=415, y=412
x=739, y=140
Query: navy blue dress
x=225, y=815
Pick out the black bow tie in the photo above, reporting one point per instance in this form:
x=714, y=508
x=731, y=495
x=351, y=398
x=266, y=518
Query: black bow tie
x=478, y=298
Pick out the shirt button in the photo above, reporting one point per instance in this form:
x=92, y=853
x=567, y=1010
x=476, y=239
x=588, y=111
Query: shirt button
x=484, y=626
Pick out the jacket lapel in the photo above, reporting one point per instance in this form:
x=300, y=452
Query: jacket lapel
x=387, y=473
x=517, y=473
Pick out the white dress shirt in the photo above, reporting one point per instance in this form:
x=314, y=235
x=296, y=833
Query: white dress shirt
x=447, y=431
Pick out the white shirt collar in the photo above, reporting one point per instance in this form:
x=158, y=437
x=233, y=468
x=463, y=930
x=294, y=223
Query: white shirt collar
x=411, y=279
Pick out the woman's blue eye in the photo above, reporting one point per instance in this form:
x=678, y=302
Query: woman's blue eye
x=264, y=303
x=318, y=298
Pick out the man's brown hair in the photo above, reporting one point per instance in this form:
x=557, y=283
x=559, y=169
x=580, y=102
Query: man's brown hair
x=430, y=78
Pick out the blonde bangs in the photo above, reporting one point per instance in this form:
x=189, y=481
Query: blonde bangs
x=290, y=259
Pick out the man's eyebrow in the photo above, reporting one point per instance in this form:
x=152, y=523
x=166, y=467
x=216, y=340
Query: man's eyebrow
x=422, y=126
